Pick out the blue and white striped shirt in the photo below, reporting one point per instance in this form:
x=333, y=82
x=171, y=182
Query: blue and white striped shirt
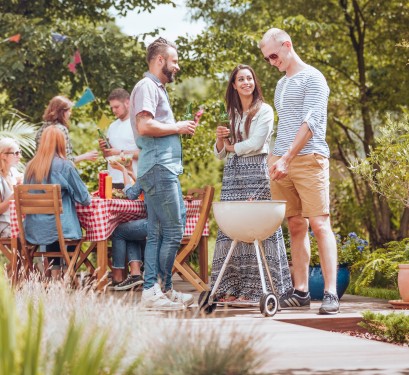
x=298, y=99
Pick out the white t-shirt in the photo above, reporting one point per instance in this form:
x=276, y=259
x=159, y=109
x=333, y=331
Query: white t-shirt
x=121, y=137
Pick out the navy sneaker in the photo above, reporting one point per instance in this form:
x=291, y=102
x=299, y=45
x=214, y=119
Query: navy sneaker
x=113, y=284
x=130, y=282
x=330, y=304
x=290, y=300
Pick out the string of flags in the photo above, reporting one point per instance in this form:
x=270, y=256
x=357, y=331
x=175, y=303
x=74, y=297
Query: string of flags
x=88, y=96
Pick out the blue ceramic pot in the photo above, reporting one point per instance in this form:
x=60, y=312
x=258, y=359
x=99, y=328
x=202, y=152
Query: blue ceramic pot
x=316, y=281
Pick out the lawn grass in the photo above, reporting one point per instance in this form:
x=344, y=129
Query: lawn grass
x=373, y=292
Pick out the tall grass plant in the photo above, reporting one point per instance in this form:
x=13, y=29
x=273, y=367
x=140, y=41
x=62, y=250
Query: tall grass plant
x=55, y=329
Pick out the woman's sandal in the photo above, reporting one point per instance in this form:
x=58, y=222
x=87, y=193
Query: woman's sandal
x=227, y=299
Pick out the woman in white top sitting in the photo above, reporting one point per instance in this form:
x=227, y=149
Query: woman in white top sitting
x=10, y=155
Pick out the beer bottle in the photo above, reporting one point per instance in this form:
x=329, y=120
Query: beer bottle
x=103, y=136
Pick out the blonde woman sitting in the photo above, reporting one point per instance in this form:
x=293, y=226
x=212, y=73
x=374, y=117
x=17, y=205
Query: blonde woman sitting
x=10, y=155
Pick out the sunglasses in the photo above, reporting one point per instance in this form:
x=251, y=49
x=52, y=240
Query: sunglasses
x=273, y=56
x=15, y=153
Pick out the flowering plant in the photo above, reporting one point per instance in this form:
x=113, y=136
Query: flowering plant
x=351, y=249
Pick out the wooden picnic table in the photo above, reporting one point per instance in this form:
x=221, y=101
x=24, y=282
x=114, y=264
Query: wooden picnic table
x=102, y=216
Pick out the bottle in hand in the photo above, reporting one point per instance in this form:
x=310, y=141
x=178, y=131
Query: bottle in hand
x=103, y=136
x=224, y=119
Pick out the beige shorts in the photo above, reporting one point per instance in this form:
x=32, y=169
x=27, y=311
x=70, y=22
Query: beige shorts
x=305, y=188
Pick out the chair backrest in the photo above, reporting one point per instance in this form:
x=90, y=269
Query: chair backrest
x=39, y=199
x=206, y=196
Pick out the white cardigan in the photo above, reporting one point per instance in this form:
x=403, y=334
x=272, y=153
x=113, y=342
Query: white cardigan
x=259, y=137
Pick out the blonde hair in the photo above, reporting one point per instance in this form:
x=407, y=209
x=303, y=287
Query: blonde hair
x=55, y=111
x=6, y=145
x=52, y=143
x=277, y=35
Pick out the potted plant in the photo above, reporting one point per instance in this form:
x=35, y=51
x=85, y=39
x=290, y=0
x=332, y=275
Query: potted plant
x=351, y=249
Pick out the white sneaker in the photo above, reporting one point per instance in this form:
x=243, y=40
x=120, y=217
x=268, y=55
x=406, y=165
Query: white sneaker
x=179, y=297
x=153, y=298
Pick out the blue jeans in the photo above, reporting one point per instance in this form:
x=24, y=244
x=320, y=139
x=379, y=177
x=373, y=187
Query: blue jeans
x=166, y=224
x=128, y=242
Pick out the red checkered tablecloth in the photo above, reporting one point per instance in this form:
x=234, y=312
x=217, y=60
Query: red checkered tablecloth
x=102, y=216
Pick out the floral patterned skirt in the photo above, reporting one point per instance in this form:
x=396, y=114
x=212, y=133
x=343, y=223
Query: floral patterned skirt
x=244, y=178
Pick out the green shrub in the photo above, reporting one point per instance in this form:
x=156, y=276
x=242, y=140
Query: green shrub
x=383, y=262
x=392, y=327
x=386, y=168
x=350, y=248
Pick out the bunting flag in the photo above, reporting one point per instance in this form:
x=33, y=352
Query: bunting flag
x=75, y=60
x=58, y=38
x=72, y=68
x=14, y=38
x=103, y=122
x=77, y=57
x=87, y=97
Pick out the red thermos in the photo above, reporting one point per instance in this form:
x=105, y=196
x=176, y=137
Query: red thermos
x=102, y=176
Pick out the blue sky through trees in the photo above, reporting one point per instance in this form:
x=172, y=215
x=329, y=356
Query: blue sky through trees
x=175, y=21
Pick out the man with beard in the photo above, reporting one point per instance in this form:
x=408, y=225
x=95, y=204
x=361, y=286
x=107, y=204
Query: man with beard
x=160, y=162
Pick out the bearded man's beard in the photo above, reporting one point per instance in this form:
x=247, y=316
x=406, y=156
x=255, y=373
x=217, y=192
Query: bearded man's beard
x=168, y=74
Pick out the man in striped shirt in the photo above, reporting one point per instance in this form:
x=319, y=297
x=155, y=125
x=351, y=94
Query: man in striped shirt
x=299, y=167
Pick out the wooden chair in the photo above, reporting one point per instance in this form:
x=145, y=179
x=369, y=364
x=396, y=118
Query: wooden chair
x=5, y=248
x=189, y=244
x=44, y=199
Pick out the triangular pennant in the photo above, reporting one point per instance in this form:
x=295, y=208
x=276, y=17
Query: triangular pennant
x=58, y=38
x=86, y=98
x=15, y=38
x=103, y=122
x=72, y=68
x=77, y=57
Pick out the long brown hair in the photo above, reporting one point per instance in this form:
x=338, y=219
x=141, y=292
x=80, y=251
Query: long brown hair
x=233, y=101
x=52, y=143
x=55, y=111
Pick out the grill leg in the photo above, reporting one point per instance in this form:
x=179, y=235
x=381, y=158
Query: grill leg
x=260, y=267
x=221, y=273
x=270, y=279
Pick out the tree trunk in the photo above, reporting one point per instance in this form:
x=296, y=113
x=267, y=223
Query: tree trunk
x=404, y=224
x=380, y=231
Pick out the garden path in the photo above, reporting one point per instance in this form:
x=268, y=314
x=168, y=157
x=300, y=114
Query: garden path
x=301, y=342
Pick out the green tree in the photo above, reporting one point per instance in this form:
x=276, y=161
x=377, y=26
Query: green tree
x=35, y=69
x=353, y=42
x=387, y=166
